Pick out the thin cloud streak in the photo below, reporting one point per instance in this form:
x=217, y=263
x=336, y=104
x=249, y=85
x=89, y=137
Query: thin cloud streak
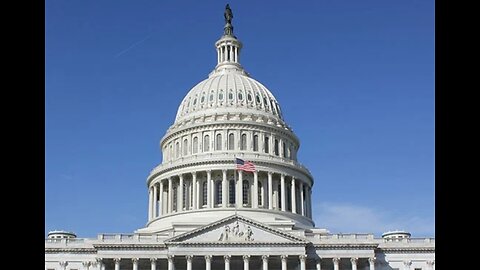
x=132, y=46
x=347, y=218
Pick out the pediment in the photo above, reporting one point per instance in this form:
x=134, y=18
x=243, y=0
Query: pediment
x=236, y=230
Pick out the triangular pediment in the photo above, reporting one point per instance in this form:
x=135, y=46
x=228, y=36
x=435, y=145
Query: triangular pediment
x=236, y=230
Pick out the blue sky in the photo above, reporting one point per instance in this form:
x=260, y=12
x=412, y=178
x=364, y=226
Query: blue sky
x=355, y=80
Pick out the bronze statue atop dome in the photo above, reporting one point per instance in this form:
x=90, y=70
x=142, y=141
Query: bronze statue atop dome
x=228, y=14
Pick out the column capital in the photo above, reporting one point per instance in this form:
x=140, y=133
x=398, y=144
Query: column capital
x=85, y=264
x=265, y=257
x=227, y=257
x=170, y=257
x=208, y=171
x=336, y=260
x=224, y=170
x=135, y=260
x=99, y=260
x=153, y=260
x=189, y=258
x=180, y=175
x=282, y=175
x=270, y=173
x=246, y=257
x=353, y=260
x=194, y=174
x=117, y=260
x=302, y=257
x=372, y=260
x=169, y=178
x=283, y=257
x=407, y=263
x=63, y=263
x=430, y=263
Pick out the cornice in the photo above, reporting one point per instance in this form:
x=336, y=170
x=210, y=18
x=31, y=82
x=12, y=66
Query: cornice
x=345, y=246
x=129, y=246
x=71, y=250
x=408, y=250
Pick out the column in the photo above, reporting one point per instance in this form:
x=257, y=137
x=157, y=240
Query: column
x=307, y=202
x=154, y=201
x=265, y=262
x=240, y=190
x=180, y=196
x=430, y=265
x=189, y=262
x=227, y=262
x=302, y=199
x=63, y=265
x=117, y=263
x=224, y=189
x=302, y=258
x=218, y=55
x=231, y=53
x=318, y=264
x=170, y=193
x=294, y=199
x=246, y=262
x=171, y=266
x=100, y=264
x=135, y=263
x=354, y=263
x=161, y=209
x=263, y=193
x=407, y=264
x=150, y=203
x=270, y=191
x=282, y=191
x=280, y=146
x=371, y=261
x=208, y=262
x=336, y=262
x=195, y=190
x=209, y=188
x=255, y=190
x=284, y=259
x=153, y=263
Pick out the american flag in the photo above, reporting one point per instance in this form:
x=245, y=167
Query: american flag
x=244, y=165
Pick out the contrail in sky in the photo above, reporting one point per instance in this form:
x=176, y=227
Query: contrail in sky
x=133, y=46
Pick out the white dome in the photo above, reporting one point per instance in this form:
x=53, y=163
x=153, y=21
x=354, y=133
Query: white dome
x=225, y=92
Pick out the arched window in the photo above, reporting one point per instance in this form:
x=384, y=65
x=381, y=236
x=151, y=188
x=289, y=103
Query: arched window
x=231, y=141
x=204, y=191
x=218, y=192
x=255, y=143
x=267, y=144
x=177, y=149
x=174, y=198
x=260, y=193
x=243, y=144
x=206, y=143
x=275, y=149
x=195, y=145
x=246, y=192
x=218, y=145
x=185, y=147
x=284, y=150
x=231, y=191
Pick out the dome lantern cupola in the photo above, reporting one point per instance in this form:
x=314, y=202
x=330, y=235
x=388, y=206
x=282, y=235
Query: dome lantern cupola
x=228, y=49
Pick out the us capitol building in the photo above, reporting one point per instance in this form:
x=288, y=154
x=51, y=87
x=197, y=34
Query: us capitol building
x=205, y=213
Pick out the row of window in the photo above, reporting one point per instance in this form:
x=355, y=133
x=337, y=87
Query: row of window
x=279, y=148
x=268, y=104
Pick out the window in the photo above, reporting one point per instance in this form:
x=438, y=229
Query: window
x=219, y=142
x=195, y=145
x=258, y=99
x=195, y=101
x=231, y=141
x=177, y=149
x=203, y=99
x=220, y=96
x=204, y=197
x=240, y=96
x=206, y=143
x=231, y=191
x=279, y=197
x=218, y=192
x=243, y=144
x=267, y=144
x=175, y=198
x=249, y=97
x=171, y=151
x=259, y=193
x=211, y=97
x=255, y=143
x=230, y=95
x=276, y=147
x=246, y=192
x=284, y=150
x=185, y=147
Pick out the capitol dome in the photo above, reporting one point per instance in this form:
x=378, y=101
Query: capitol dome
x=223, y=120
